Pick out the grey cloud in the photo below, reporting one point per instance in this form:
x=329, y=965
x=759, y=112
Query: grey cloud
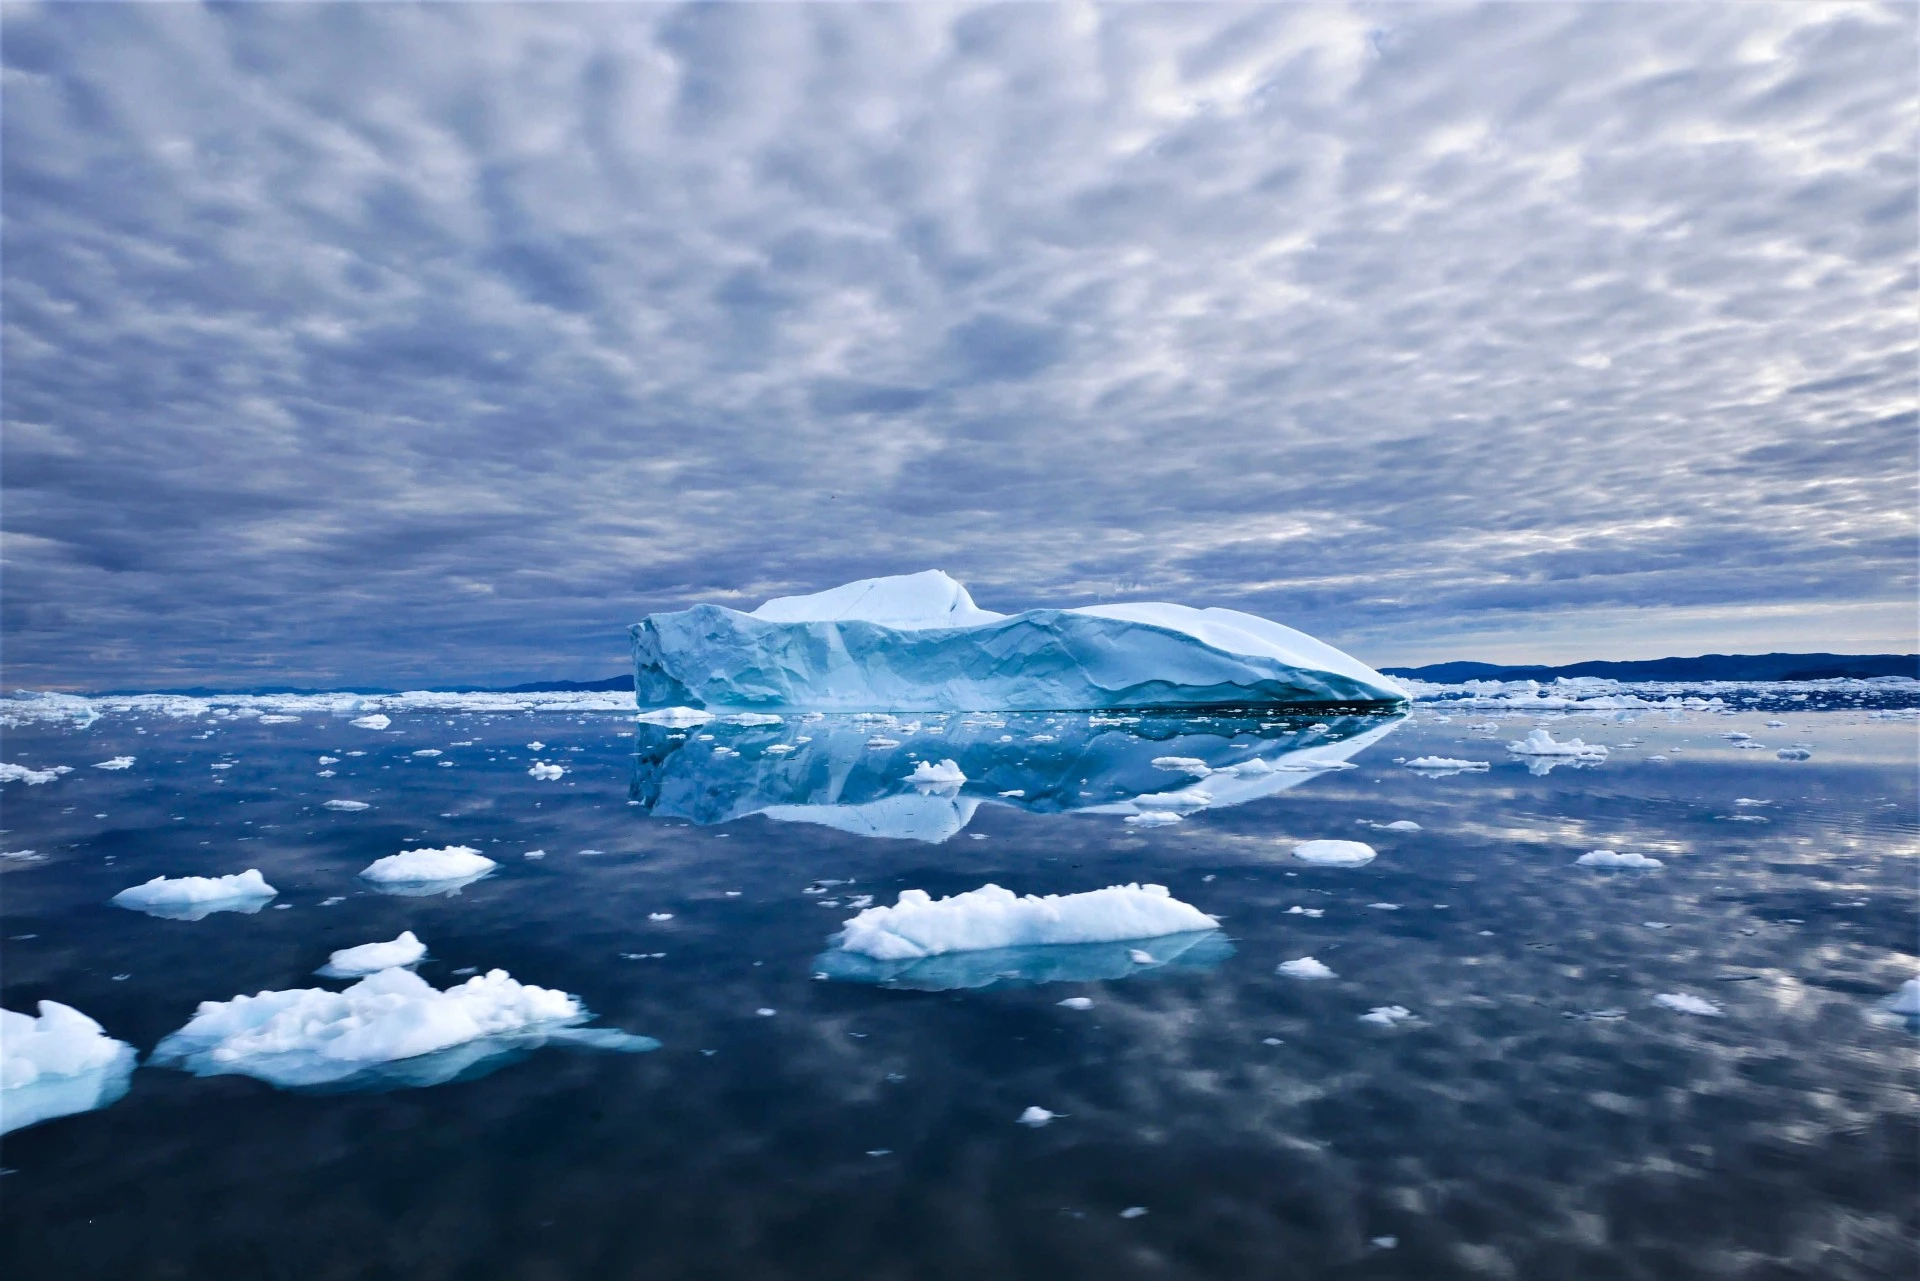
x=433, y=343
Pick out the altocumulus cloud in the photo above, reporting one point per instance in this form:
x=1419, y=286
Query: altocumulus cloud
x=391, y=344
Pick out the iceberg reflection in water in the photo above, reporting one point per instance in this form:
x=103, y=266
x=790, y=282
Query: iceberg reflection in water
x=851, y=773
x=1021, y=966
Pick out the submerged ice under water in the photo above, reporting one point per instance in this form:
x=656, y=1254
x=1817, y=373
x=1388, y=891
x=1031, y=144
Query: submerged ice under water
x=1688, y=1059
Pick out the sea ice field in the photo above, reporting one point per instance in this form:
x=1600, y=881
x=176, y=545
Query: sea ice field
x=1582, y=981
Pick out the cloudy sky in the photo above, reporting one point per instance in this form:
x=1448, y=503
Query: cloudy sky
x=376, y=345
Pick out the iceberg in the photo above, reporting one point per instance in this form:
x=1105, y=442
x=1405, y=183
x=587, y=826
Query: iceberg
x=390, y=1030
x=917, y=642
x=190, y=898
x=421, y=872
x=56, y=1065
x=919, y=926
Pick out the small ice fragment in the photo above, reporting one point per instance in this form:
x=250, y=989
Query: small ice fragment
x=453, y=862
x=222, y=765
x=375, y=721
x=346, y=807
x=121, y=978
x=1402, y=825
x=1447, y=763
x=1078, y=1003
x=880, y=741
x=1656, y=925
x=535, y=746
x=1541, y=743
x=1685, y=1003
x=1794, y=754
x=879, y=1151
x=1656, y=757
x=1133, y=1211
x=659, y=916
x=1906, y=1001
x=766, y=1012
x=429, y=751
x=1017, y=791
x=329, y=760
x=1385, y=907
x=1297, y=910
x=1139, y=957
x=117, y=763
x=1271, y=1040
x=1386, y=1015
x=542, y=770
x=1334, y=853
x=1153, y=818
x=1183, y=765
x=1384, y=1243
x=1306, y=967
x=1607, y=858
x=733, y=893
x=779, y=749
x=945, y=774
x=371, y=958
x=1748, y=800
x=1776, y=724
x=1036, y=1117
x=917, y=925
x=329, y=902
x=534, y=854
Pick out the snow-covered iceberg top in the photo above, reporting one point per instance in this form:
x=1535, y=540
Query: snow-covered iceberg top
x=919, y=925
x=58, y=1064
x=392, y=1028
x=918, y=642
x=189, y=898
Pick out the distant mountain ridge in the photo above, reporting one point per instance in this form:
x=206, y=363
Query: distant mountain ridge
x=1706, y=667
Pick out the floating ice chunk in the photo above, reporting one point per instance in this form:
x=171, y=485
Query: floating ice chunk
x=917, y=642
x=1183, y=765
x=780, y=749
x=1656, y=757
x=271, y=719
x=1384, y=1243
x=1607, y=858
x=346, y=807
x=880, y=742
x=1133, y=1211
x=117, y=763
x=991, y=917
x=375, y=721
x=542, y=770
x=751, y=718
x=429, y=751
x=1448, y=763
x=1906, y=1001
x=1021, y=966
x=56, y=1065
x=766, y=1012
x=429, y=866
x=1153, y=818
x=390, y=1029
x=1140, y=956
x=1687, y=1004
x=23, y=856
x=1077, y=1003
x=1306, y=967
x=1794, y=754
x=1748, y=800
x=1334, y=853
x=945, y=774
x=31, y=777
x=189, y=898
x=1037, y=1117
x=371, y=958
x=1541, y=743
x=1297, y=910
x=1186, y=798
x=659, y=916
x=1384, y=907
x=1401, y=825
x=1387, y=1015
x=534, y=854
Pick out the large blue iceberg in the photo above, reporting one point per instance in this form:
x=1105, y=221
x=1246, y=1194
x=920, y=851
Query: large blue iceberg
x=917, y=642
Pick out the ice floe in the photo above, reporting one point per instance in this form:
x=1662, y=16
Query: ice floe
x=1306, y=967
x=918, y=925
x=1542, y=743
x=1607, y=858
x=545, y=771
x=1334, y=853
x=1685, y=1003
x=1448, y=764
x=428, y=871
x=391, y=1029
x=191, y=898
x=30, y=776
x=346, y=807
x=116, y=763
x=371, y=958
x=918, y=642
x=375, y=721
x=56, y=1065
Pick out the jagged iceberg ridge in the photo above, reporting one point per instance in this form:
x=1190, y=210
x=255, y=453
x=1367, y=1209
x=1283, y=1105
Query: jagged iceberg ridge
x=390, y=1029
x=58, y=1064
x=917, y=642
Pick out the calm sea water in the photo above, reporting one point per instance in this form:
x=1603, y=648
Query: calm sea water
x=1537, y=1115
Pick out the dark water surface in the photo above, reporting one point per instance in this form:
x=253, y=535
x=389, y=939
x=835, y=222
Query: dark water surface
x=1538, y=1116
